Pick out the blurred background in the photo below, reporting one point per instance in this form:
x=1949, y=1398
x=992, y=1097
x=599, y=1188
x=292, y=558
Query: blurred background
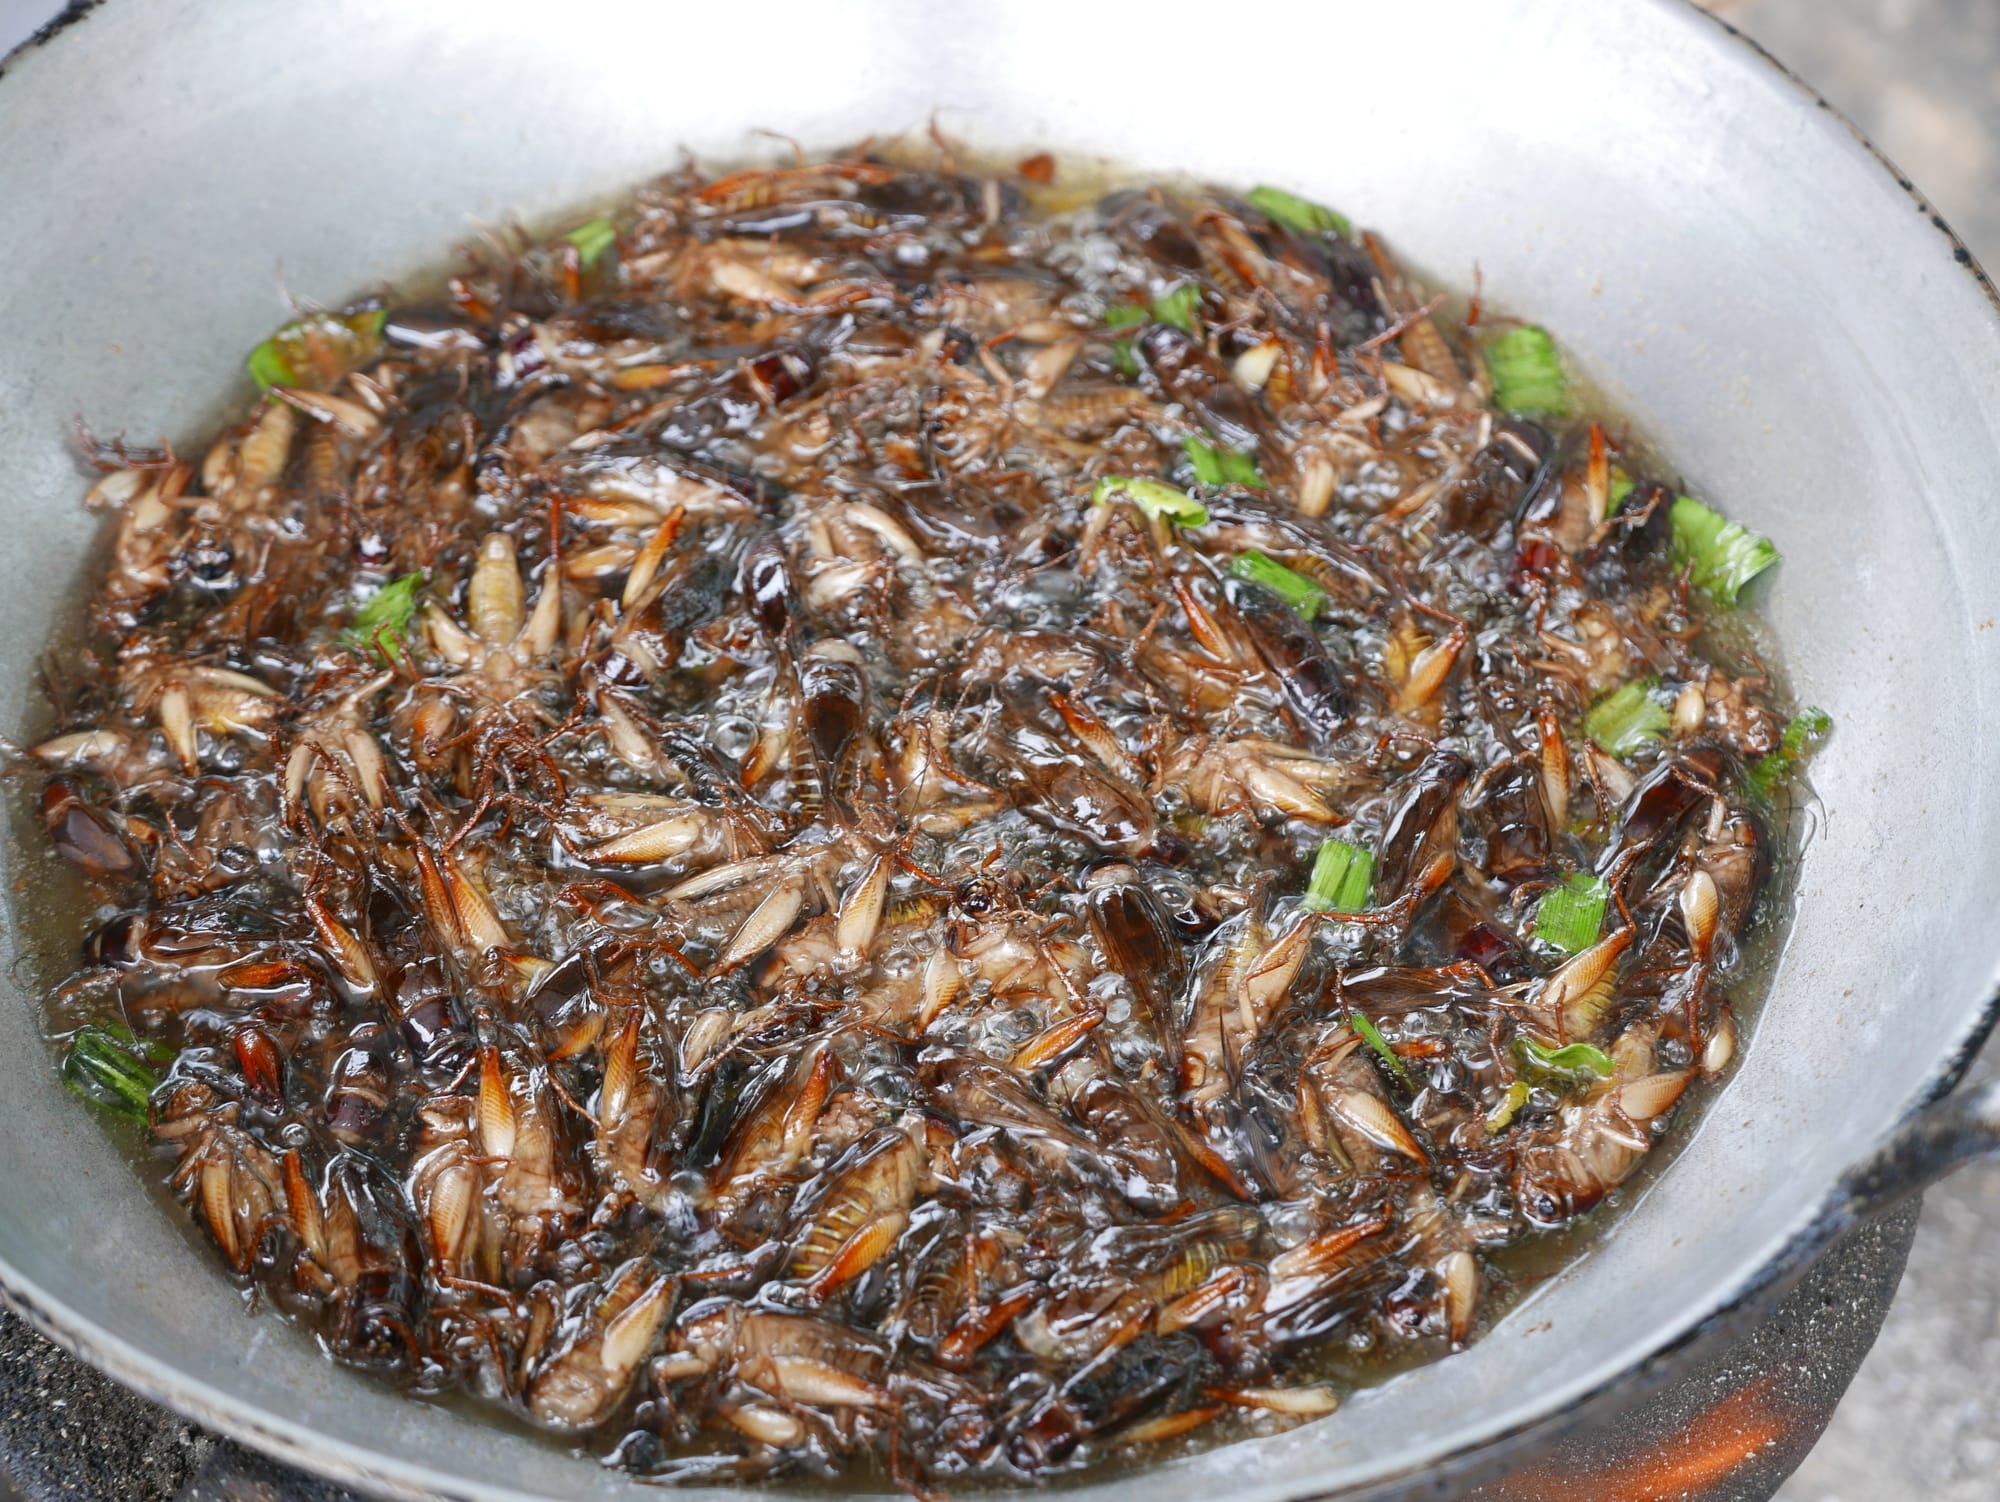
x=1922, y=79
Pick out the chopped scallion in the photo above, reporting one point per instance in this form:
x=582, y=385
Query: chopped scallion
x=1628, y=719
x=268, y=368
x=1773, y=770
x=1372, y=1036
x=1182, y=308
x=1341, y=876
x=1724, y=556
x=1295, y=589
x=1570, y=913
x=1125, y=315
x=1216, y=465
x=318, y=349
x=1809, y=724
x=1622, y=486
x=1295, y=212
x=1507, y=1108
x=1576, y=1060
x=1527, y=371
x=1154, y=497
x=382, y=623
x=109, y=1066
x=591, y=240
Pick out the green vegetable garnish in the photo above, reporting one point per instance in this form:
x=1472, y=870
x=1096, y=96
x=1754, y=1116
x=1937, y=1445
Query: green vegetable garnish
x=1125, y=315
x=317, y=350
x=1622, y=486
x=1570, y=914
x=1341, y=875
x=1295, y=589
x=1182, y=308
x=1507, y=1108
x=1724, y=555
x=109, y=1066
x=267, y=367
x=1295, y=212
x=1527, y=371
x=1809, y=724
x=1628, y=719
x=1577, y=1060
x=1774, y=769
x=1154, y=497
x=382, y=623
x=1215, y=465
x=592, y=240
x=1372, y=1036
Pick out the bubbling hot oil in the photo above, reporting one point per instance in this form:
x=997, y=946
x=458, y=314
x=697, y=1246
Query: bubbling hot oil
x=663, y=799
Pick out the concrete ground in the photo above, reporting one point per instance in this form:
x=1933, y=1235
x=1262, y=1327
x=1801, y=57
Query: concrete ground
x=1922, y=78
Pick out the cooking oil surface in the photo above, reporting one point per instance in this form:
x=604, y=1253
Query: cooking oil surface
x=903, y=825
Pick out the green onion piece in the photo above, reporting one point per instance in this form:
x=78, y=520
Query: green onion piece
x=1774, y=769
x=1570, y=914
x=150, y=1050
x=1577, y=1060
x=1724, y=555
x=1125, y=315
x=317, y=350
x=1294, y=212
x=1809, y=724
x=1507, y=1108
x=108, y=1065
x=1622, y=486
x=1372, y=1036
x=1182, y=308
x=1295, y=589
x=267, y=367
x=1341, y=876
x=382, y=623
x=1527, y=371
x=1627, y=720
x=592, y=240
x=1215, y=465
x=1154, y=497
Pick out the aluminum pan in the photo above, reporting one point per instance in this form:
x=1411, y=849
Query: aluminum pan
x=1729, y=262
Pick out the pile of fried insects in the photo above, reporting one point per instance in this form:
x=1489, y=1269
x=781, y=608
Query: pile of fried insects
x=877, y=816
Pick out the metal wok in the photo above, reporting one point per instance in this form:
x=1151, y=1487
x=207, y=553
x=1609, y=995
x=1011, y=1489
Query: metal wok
x=1717, y=249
